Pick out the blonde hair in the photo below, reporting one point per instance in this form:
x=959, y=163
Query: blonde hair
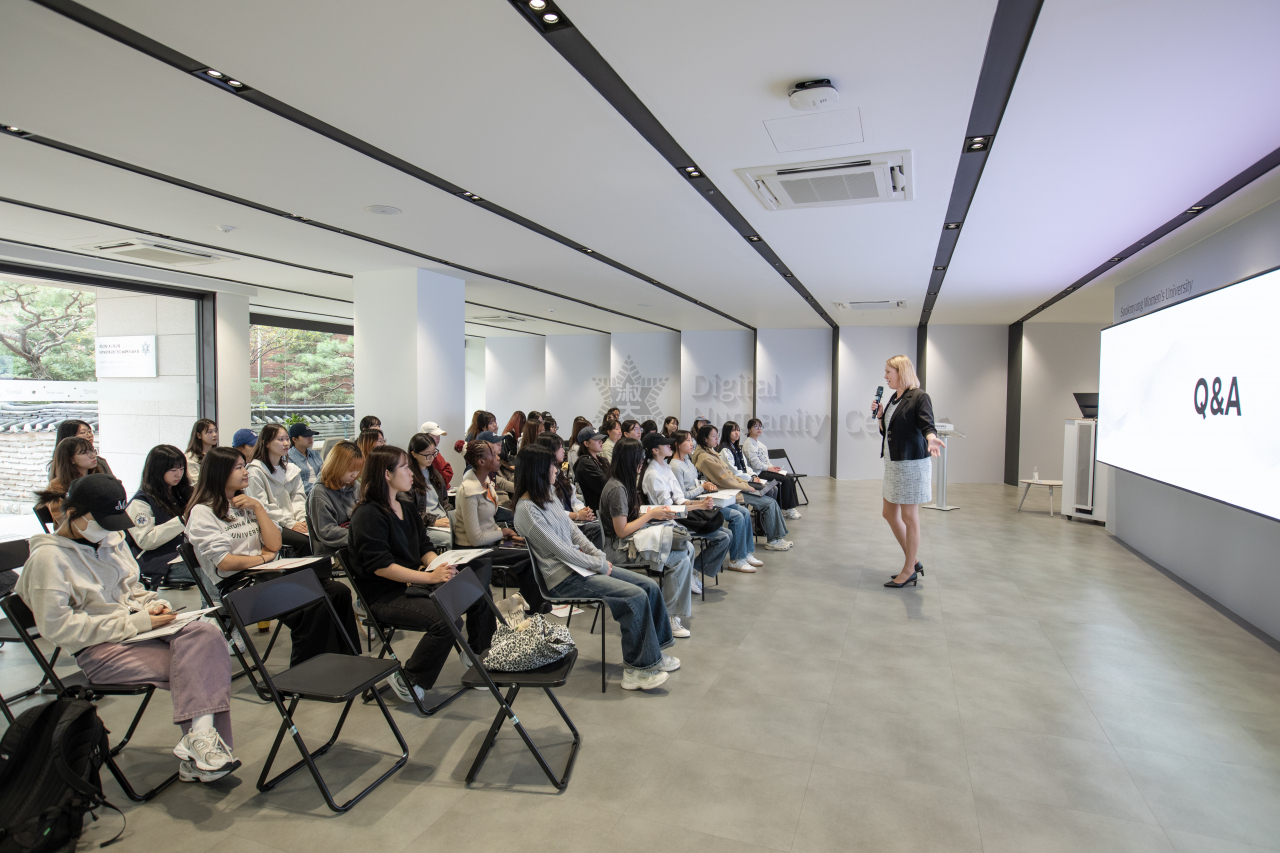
x=906, y=371
x=343, y=457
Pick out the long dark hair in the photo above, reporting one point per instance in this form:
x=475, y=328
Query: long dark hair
x=726, y=431
x=564, y=488
x=370, y=422
x=162, y=459
x=515, y=426
x=628, y=426
x=532, y=429
x=579, y=423
x=68, y=429
x=753, y=423
x=374, y=488
x=195, y=444
x=480, y=422
x=260, y=452
x=671, y=419
x=211, y=488
x=627, y=456
x=703, y=436
x=367, y=439
x=419, y=443
x=533, y=473
x=648, y=427
x=63, y=468
x=678, y=437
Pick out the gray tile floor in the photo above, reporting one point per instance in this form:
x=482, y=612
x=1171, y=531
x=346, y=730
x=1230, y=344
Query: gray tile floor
x=1042, y=689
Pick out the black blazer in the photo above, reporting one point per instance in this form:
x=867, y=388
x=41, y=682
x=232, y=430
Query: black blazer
x=909, y=428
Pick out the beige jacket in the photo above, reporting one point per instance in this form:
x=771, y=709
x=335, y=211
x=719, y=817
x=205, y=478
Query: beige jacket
x=714, y=469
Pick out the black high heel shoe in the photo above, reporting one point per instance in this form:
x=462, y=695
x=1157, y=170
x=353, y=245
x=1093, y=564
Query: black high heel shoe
x=919, y=570
x=911, y=580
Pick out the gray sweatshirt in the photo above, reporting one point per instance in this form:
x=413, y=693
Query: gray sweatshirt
x=330, y=512
x=280, y=492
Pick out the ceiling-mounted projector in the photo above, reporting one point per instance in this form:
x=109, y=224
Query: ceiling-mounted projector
x=813, y=95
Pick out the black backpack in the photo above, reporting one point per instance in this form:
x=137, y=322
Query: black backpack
x=49, y=762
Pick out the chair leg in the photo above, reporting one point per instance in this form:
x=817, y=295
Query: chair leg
x=603, y=682
x=803, y=493
x=133, y=726
x=128, y=788
x=272, y=644
x=4, y=706
x=504, y=710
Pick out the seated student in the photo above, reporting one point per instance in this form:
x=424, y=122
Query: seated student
x=511, y=435
x=591, y=470
x=368, y=439
x=572, y=448
x=712, y=467
x=72, y=459
x=613, y=434
x=78, y=429
x=631, y=429
x=621, y=517
x=614, y=414
x=429, y=493
x=390, y=552
x=156, y=512
x=83, y=588
x=634, y=599
x=660, y=485
x=475, y=526
x=756, y=456
x=481, y=421
x=243, y=442
x=302, y=452
x=204, y=437
x=579, y=513
x=333, y=498
x=441, y=464
x=276, y=483
x=698, y=423
x=670, y=425
x=549, y=424
x=738, y=518
x=532, y=429
x=235, y=539
x=648, y=427
x=370, y=422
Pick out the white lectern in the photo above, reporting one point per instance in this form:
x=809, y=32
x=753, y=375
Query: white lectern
x=945, y=431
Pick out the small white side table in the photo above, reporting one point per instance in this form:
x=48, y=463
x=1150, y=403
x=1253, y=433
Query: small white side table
x=1052, y=484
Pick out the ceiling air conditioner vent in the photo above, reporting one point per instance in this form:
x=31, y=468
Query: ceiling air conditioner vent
x=154, y=253
x=498, y=318
x=877, y=305
x=864, y=179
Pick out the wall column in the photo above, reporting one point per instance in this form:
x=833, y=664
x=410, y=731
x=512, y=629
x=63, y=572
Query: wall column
x=231, y=332
x=410, y=351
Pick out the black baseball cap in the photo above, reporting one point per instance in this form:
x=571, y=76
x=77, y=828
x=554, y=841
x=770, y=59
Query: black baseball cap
x=656, y=439
x=491, y=437
x=102, y=496
x=590, y=433
x=301, y=431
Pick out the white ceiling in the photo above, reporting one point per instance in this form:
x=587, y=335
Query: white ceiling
x=1124, y=113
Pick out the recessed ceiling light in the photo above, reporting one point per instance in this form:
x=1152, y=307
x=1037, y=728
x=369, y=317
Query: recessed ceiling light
x=951, y=226
x=979, y=139
x=754, y=239
x=235, y=83
x=786, y=275
x=537, y=5
x=213, y=73
x=689, y=169
x=551, y=17
x=11, y=128
x=977, y=146
x=589, y=251
x=939, y=269
x=1116, y=260
x=695, y=174
x=382, y=209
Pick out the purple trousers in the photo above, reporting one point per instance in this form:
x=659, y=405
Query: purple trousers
x=193, y=665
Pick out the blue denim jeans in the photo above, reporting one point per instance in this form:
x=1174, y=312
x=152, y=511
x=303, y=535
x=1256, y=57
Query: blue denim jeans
x=738, y=519
x=636, y=604
x=770, y=515
x=713, y=550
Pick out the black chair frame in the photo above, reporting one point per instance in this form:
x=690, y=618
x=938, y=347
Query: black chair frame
x=779, y=453
x=77, y=684
x=13, y=554
x=45, y=516
x=385, y=632
x=453, y=599
x=352, y=673
x=573, y=602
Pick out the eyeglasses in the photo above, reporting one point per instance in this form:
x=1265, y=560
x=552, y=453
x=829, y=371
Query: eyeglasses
x=431, y=455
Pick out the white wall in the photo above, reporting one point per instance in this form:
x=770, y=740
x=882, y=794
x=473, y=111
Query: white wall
x=863, y=352
x=231, y=318
x=515, y=375
x=967, y=381
x=793, y=395
x=473, y=382
x=1058, y=359
x=576, y=366
x=137, y=414
x=716, y=376
x=644, y=379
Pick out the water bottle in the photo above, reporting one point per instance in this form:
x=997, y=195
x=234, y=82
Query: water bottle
x=1035, y=474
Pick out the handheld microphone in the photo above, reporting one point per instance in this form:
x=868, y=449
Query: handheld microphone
x=879, y=392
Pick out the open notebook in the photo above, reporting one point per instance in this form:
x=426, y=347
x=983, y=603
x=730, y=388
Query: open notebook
x=182, y=620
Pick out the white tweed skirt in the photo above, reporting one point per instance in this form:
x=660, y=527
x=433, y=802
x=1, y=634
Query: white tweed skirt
x=908, y=481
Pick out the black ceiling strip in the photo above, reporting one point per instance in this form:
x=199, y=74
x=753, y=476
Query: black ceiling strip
x=1011, y=29
x=299, y=323
x=171, y=238
x=1249, y=175
x=491, y=326
x=536, y=317
x=138, y=170
x=167, y=55
x=571, y=44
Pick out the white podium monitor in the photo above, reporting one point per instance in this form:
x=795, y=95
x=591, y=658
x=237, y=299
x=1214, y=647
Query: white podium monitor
x=1190, y=394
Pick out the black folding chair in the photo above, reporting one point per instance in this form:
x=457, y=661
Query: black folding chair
x=188, y=554
x=45, y=516
x=779, y=453
x=327, y=677
x=454, y=599
x=385, y=631
x=13, y=555
x=572, y=602
x=21, y=618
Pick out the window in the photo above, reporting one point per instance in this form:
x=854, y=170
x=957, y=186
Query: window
x=302, y=375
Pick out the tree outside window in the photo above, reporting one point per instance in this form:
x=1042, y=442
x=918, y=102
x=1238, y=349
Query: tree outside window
x=296, y=367
x=46, y=333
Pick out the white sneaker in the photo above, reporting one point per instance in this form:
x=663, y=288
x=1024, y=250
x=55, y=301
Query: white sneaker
x=696, y=589
x=752, y=561
x=642, y=679
x=206, y=749
x=740, y=566
x=189, y=772
x=236, y=642
x=668, y=663
x=792, y=513
x=678, y=630
x=401, y=688
x=778, y=545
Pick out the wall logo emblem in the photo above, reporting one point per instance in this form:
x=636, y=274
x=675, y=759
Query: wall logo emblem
x=635, y=396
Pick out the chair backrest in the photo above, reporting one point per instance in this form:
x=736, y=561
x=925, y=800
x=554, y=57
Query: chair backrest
x=14, y=553
x=45, y=517
x=265, y=601
x=188, y=554
x=21, y=617
x=777, y=453
x=456, y=597
x=536, y=568
x=306, y=515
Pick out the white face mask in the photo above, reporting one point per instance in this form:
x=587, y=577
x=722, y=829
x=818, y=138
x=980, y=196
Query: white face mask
x=94, y=532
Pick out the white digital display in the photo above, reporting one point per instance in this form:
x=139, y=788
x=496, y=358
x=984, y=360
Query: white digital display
x=1189, y=394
